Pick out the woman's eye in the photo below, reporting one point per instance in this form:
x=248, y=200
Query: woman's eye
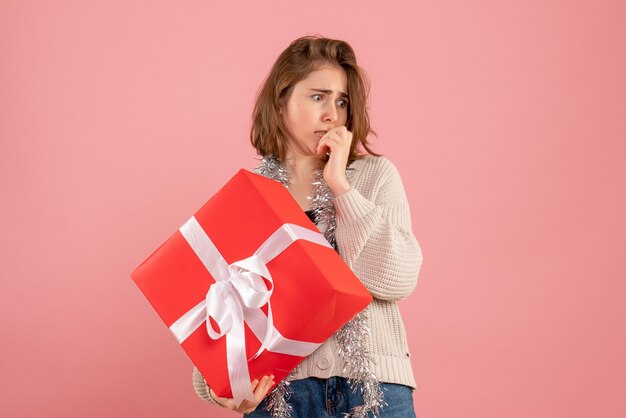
x=345, y=102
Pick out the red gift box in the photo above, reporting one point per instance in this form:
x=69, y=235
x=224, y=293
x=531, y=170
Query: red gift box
x=273, y=286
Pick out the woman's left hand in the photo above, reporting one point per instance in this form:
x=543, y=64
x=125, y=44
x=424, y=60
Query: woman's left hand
x=337, y=142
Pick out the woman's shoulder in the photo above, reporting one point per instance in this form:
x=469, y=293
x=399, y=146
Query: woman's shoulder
x=372, y=173
x=377, y=164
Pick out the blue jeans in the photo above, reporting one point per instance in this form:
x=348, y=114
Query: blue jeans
x=313, y=397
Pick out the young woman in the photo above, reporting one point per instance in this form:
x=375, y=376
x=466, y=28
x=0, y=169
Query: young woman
x=310, y=126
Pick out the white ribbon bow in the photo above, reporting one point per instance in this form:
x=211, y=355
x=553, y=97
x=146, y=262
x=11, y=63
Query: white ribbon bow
x=237, y=296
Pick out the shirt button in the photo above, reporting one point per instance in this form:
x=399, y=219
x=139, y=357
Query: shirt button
x=323, y=363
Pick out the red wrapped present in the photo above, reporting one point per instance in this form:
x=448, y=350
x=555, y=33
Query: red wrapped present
x=249, y=286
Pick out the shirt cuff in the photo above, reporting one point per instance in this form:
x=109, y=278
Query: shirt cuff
x=351, y=206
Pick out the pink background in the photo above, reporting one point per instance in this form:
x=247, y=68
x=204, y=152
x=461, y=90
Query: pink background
x=506, y=119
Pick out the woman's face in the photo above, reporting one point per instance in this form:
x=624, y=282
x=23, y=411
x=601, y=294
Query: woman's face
x=317, y=103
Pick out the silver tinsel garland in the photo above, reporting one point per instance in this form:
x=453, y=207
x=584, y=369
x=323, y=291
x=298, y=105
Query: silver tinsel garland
x=352, y=336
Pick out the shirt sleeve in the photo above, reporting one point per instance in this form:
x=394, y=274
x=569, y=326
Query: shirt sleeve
x=375, y=238
x=202, y=389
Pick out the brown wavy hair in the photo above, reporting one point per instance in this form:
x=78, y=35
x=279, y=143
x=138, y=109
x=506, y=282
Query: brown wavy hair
x=301, y=57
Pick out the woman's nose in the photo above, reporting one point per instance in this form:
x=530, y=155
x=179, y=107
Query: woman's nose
x=331, y=113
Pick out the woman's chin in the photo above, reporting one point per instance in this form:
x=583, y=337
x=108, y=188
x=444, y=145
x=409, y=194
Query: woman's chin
x=312, y=152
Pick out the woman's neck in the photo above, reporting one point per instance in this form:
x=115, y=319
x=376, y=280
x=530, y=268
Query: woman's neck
x=302, y=167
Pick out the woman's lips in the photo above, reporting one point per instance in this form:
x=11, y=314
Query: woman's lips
x=320, y=134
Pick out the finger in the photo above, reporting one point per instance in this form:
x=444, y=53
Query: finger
x=338, y=134
x=271, y=385
x=343, y=132
x=268, y=384
x=255, y=383
x=246, y=407
x=321, y=142
x=336, y=139
x=321, y=148
x=259, y=389
x=262, y=389
x=327, y=144
x=339, y=130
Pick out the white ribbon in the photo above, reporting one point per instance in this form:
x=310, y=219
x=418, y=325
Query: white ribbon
x=237, y=296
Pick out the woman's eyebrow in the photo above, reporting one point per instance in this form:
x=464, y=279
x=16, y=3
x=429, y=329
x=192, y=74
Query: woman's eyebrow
x=341, y=93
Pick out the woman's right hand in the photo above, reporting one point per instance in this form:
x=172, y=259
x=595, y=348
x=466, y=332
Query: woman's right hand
x=259, y=389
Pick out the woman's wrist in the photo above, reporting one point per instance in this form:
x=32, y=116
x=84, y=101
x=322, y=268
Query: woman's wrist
x=340, y=188
x=214, y=397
